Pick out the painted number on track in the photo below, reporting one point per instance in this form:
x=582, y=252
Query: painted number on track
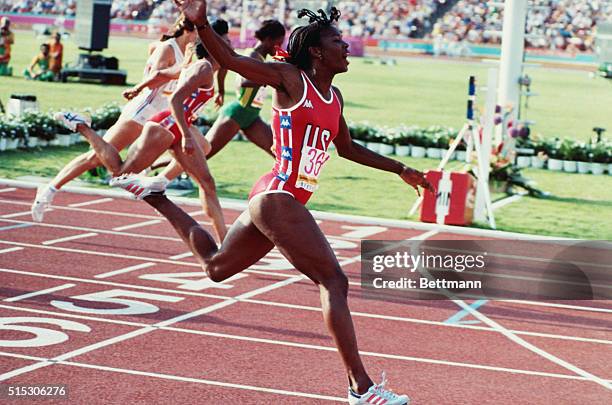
x=128, y=306
x=42, y=336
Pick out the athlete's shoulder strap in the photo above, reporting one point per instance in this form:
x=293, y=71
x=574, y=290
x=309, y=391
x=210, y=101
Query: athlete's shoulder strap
x=178, y=54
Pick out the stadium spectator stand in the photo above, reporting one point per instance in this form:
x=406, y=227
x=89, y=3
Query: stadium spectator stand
x=567, y=25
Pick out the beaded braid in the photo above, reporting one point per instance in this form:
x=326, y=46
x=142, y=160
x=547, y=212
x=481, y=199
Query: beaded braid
x=305, y=37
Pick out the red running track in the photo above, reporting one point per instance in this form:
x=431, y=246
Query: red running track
x=258, y=338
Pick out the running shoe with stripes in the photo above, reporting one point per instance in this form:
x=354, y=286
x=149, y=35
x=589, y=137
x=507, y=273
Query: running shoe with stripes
x=378, y=395
x=71, y=120
x=44, y=198
x=140, y=186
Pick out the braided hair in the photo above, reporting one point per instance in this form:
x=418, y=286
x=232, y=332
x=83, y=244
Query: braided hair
x=305, y=37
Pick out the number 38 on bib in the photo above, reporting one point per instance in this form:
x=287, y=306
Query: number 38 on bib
x=314, y=156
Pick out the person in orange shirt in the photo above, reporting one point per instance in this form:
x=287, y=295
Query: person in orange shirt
x=5, y=52
x=5, y=26
x=56, y=52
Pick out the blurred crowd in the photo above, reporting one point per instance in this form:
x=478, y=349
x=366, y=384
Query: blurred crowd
x=567, y=25
x=125, y=9
x=551, y=24
x=374, y=18
x=387, y=18
x=63, y=7
x=134, y=9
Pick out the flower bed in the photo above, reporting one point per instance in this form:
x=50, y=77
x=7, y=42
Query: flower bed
x=554, y=154
x=40, y=129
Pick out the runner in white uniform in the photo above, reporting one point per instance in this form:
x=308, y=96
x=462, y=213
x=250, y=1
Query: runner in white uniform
x=150, y=100
x=147, y=98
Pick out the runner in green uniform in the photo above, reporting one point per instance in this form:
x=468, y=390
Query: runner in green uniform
x=243, y=114
x=41, y=60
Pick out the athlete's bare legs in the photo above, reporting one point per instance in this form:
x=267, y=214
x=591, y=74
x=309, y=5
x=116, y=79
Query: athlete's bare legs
x=173, y=168
x=221, y=133
x=153, y=142
x=120, y=135
x=260, y=134
x=195, y=165
x=253, y=235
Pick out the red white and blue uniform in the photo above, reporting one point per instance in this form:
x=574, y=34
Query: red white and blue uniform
x=191, y=106
x=302, y=135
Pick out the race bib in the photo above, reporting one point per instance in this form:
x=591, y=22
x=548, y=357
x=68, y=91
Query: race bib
x=311, y=163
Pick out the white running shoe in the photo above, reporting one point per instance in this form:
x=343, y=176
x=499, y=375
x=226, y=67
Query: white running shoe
x=44, y=198
x=378, y=395
x=140, y=186
x=71, y=120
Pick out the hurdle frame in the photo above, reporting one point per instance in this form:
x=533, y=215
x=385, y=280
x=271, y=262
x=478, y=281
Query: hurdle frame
x=470, y=131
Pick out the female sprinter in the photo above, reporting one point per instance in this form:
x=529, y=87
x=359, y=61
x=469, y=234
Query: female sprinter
x=170, y=129
x=161, y=71
x=242, y=114
x=307, y=117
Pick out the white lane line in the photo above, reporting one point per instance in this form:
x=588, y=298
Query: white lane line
x=86, y=210
x=562, y=306
x=230, y=301
x=426, y=235
x=308, y=346
x=189, y=264
x=142, y=216
x=143, y=331
x=125, y=270
x=103, y=254
x=92, y=202
x=20, y=214
x=9, y=250
x=319, y=215
x=515, y=338
x=37, y=293
x=90, y=211
x=302, y=307
x=181, y=256
x=428, y=322
x=73, y=316
x=506, y=201
x=16, y=226
x=7, y=190
x=179, y=378
x=240, y=205
x=110, y=283
x=139, y=258
x=101, y=231
x=138, y=225
x=69, y=238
